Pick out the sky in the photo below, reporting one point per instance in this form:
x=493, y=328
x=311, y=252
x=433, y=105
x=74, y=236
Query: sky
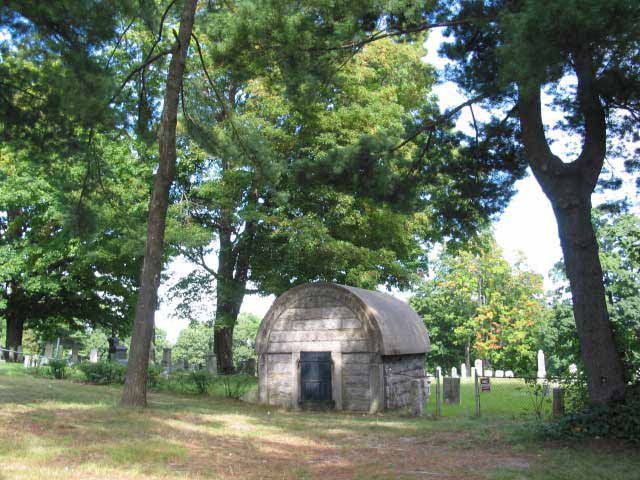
x=526, y=227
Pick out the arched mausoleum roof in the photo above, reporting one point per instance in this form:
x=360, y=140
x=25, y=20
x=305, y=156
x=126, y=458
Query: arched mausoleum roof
x=392, y=326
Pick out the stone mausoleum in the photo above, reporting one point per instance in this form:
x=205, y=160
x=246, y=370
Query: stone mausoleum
x=334, y=346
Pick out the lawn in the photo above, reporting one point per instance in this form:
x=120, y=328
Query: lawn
x=58, y=429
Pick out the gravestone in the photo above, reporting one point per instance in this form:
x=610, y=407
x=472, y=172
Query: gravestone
x=251, y=367
x=542, y=370
x=417, y=397
x=509, y=374
x=48, y=352
x=478, y=365
x=19, y=356
x=463, y=370
x=93, y=356
x=500, y=373
x=558, y=402
x=74, y=353
x=166, y=358
x=473, y=372
x=212, y=363
x=454, y=372
x=120, y=354
x=488, y=373
x=27, y=361
x=451, y=390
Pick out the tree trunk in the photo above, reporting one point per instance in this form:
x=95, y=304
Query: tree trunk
x=135, y=388
x=15, y=328
x=602, y=362
x=569, y=186
x=223, y=347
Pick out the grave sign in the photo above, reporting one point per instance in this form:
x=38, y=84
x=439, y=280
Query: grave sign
x=485, y=384
x=451, y=390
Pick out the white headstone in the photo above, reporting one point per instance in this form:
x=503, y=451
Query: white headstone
x=542, y=371
x=509, y=374
x=463, y=370
x=439, y=372
x=27, y=361
x=473, y=372
x=573, y=369
x=93, y=356
x=454, y=372
x=478, y=365
x=500, y=373
x=488, y=373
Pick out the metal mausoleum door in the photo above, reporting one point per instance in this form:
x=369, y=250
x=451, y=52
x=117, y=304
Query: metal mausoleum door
x=315, y=378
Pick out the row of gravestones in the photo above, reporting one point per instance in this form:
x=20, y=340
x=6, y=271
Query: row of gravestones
x=246, y=367
x=479, y=369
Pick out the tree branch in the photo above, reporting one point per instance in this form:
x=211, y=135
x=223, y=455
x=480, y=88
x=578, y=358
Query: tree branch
x=440, y=119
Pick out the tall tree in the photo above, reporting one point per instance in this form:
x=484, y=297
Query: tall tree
x=134, y=392
x=475, y=303
x=505, y=54
x=290, y=194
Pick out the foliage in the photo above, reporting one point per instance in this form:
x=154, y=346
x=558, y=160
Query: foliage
x=474, y=299
x=201, y=379
x=619, y=420
x=57, y=368
x=244, y=337
x=618, y=234
x=103, y=372
x=193, y=344
x=235, y=385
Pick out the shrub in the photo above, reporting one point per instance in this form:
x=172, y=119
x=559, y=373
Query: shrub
x=617, y=420
x=104, y=373
x=201, y=380
x=57, y=368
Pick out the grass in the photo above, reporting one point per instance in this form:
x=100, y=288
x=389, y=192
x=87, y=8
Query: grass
x=508, y=398
x=59, y=429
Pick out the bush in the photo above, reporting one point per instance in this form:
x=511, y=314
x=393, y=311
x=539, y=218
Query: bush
x=619, y=420
x=201, y=380
x=104, y=373
x=57, y=368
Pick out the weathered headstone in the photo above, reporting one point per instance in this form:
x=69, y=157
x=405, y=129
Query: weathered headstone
x=19, y=356
x=509, y=374
x=74, y=353
x=451, y=390
x=463, y=370
x=166, y=358
x=558, y=402
x=488, y=373
x=573, y=369
x=48, y=350
x=120, y=354
x=251, y=367
x=478, y=365
x=542, y=370
x=454, y=372
x=93, y=356
x=27, y=361
x=212, y=363
x=417, y=397
x=500, y=373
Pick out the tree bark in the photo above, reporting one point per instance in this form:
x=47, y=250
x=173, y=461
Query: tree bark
x=605, y=376
x=569, y=186
x=15, y=329
x=135, y=388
